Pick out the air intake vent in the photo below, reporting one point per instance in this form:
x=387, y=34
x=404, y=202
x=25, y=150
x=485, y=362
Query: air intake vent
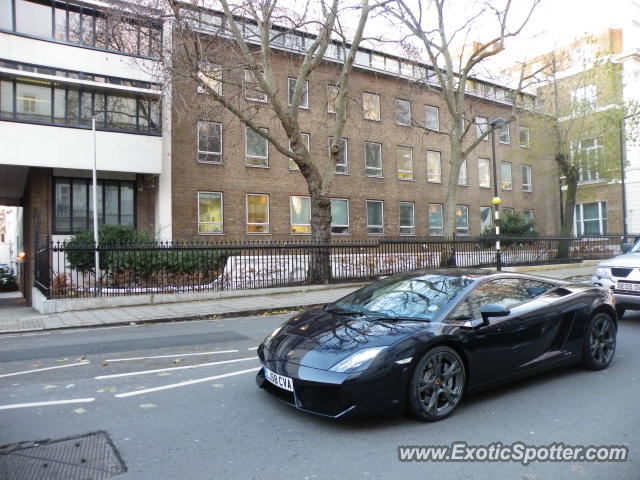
x=621, y=272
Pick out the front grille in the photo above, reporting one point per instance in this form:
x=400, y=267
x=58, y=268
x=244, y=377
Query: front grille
x=621, y=272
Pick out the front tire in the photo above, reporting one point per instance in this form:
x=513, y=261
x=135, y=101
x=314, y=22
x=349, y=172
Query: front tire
x=437, y=384
x=599, y=344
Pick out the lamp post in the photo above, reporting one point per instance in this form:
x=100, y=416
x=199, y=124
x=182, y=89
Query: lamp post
x=95, y=206
x=498, y=122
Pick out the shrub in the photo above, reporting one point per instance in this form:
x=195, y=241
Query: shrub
x=515, y=224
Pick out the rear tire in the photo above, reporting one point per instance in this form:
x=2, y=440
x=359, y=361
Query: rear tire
x=437, y=384
x=599, y=343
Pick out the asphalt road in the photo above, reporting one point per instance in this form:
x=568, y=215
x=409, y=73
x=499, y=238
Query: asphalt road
x=224, y=427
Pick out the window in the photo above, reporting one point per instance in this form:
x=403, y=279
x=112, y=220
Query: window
x=591, y=218
x=584, y=97
x=434, y=167
x=484, y=172
x=209, y=142
x=342, y=163
x=74, y=204
x=252, y=90
x=486, y=219
x=306, y=138
x=77, y=24
x=404, y=156
x=375, y=217
x=256, y=148
x=586, y=153
x=407, y=220
x=527, y=182
x=371, y=106
x=432, y=117
x=403, y=112
x=210, y=213
x=332, y=95
x=209, y=78
x=462, y=219
x=339, y=215
x=482, y=127
x=463, y=178
x=373, y=159
x=507, y=212
x=436, y=219
x=527, y=215
x=300, y=215
x=304, y=98
x=55, y=103
x=504, y=134
x=507, y=292
x=505, y=176
x=257, y=213
x=524, y=137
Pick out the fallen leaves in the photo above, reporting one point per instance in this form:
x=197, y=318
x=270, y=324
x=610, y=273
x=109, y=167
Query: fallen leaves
x=49, y=387
x=79, y=411
x=106, y=389
x=147, y=405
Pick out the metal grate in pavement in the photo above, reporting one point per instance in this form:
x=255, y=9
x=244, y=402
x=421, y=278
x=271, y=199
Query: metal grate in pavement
x=87, y=457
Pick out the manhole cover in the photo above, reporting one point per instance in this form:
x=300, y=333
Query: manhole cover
x=87, y=457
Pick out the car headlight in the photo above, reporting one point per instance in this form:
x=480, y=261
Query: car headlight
x=358, y=361
x=603, y=272
x=272, y=334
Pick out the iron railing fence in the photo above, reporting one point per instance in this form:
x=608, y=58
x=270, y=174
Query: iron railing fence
x=67, y=270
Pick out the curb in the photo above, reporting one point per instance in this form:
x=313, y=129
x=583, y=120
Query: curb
x=182, y=318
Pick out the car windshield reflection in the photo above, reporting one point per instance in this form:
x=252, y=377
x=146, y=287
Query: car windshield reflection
x=416, y=297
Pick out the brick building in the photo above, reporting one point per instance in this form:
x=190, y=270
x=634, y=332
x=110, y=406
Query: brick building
x=228, y=183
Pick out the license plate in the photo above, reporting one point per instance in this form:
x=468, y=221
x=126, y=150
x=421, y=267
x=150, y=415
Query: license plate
x=632, y=287
x=278, y=380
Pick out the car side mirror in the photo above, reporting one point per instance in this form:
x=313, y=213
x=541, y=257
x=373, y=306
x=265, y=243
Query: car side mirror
x=493, y=310
x=626, y=247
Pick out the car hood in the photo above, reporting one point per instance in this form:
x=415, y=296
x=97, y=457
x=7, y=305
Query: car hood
x=631, y=260
x=320, y=339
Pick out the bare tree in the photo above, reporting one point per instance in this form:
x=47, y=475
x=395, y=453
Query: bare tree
x=244, y=36
x=433, y=34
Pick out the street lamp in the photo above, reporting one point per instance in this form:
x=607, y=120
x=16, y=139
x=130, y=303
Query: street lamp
x=498, y=122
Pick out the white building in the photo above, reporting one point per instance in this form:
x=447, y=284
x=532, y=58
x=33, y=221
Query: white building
x=62, y=63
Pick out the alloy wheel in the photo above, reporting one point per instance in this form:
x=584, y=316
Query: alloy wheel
x=441, y=383
x=602, y=340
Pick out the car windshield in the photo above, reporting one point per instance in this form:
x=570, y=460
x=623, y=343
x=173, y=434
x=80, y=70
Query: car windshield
x=416, y=296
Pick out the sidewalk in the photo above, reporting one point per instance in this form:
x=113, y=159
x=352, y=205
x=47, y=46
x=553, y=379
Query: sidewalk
x=16, y=317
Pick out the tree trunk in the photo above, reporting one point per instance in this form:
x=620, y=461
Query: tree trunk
x=319, y=269
x=566, y=229
x=447, y=252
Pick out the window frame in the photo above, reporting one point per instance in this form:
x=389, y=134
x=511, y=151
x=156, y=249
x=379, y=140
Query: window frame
x=364, y=110
x=509, y=185
x=330, y=101
x=524, y=215
x=439, y=166
x=346, y=155
x=203, y=77
x=246, y=146
x=527, y=187
x=221, y=232
x=491, y=219
x=461, y=230
x=268, y=223
x=199, y=152
x=412, y=233
x=505, y=127
x=482, y=160
x=411, y=172
x=426, y=117
x=381, y=225
x=399, y=101
x=480, y=130
x=347, y=226
x=291, y=224
x=603, y=218
x=436, y=231
x=247, y=89
x=304, y=105
x=367, y=167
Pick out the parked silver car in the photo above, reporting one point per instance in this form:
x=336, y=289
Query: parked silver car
x=622, y=275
